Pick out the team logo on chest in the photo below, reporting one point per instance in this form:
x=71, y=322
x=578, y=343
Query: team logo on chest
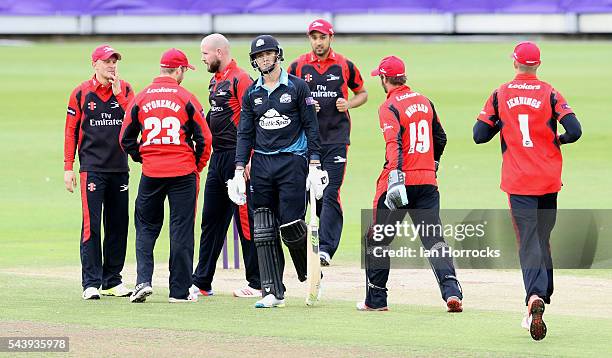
x=285, y=98
x=272, y=120
x=332, y=77
x=91, y=187
x=258, y=101
x=214, y=107
x=91, y=105
x=114, y=104
x=308, y=77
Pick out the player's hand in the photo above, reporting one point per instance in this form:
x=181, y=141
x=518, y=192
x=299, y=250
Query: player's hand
x=236, y=187
x=317, y=180
x=342, y=105
x=116, y=84
x=70, y=180
x=396, y=190
x=247, y=171
x=317, y=106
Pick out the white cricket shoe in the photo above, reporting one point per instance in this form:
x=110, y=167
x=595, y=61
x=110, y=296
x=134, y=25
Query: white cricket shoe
x=361, y=306
x=191, y=298
x=91, y=293
x=526, y=322
x=195, y=290
x=118, y=291
x=270, y=301
x=247, y=292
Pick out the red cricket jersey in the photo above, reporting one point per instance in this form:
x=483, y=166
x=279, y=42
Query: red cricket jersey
x=226, y=91
x=329, y=80
x=175, y=139
x=93, y=122
x=528, y=110
x=408, y=121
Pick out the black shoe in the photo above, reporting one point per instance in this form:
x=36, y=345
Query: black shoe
x=325, y=259
x=537, y=327
x=141, y=292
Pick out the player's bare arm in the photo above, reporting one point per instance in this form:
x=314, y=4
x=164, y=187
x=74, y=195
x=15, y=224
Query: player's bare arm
x=357, y=100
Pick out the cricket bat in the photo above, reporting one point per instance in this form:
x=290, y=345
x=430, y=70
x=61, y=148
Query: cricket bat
x=312, y=255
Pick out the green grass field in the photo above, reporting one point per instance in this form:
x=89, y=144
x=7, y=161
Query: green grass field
x=40, y=221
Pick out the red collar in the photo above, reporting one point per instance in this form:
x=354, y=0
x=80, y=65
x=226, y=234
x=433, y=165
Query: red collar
x=165, y=79
x=331, y=57
x=526, y=76
x=401, y=88
x=229, y=68
x=96, y=85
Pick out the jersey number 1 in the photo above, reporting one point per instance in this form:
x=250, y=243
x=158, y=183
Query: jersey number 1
x=172, y=125
x=524, y=126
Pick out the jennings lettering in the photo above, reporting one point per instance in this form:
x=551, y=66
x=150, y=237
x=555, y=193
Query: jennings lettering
x=523, y=101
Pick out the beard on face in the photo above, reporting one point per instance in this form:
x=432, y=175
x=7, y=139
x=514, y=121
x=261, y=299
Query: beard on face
x=321, y=50
x=382, y=82
x=213, y=67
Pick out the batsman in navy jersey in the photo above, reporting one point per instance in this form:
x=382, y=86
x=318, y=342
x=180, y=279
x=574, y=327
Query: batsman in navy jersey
x=278, y=126
x=95, y=114
x=329, y=76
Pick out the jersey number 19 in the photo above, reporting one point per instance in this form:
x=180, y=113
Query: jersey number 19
x=419, y=137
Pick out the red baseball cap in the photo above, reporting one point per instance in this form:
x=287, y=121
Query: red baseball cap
x=527, y=53
x=321, y=26
x=390, y=66
x=104, y=52
x=174, y=58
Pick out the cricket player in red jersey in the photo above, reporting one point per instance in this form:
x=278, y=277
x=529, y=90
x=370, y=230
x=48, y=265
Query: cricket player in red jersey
x=330, y=76
x=526, y=111
x=415, y=141
x=227, y=87
x=95, y=113
x=174, y=147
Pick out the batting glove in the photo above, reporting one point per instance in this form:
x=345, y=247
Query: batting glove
x=236, y=187
x=396, y=190
x=317, y=180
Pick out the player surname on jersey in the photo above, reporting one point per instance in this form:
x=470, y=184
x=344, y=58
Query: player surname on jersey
x=161, y=103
